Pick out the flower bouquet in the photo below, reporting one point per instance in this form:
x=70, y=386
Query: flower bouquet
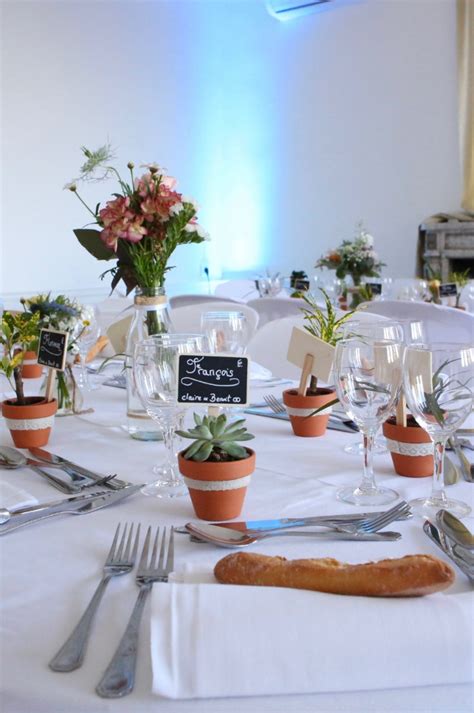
x=141, y=226
x=355, y=258
x=66, y=315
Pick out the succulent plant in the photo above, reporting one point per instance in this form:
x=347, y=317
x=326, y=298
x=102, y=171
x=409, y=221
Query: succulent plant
x=215, y=439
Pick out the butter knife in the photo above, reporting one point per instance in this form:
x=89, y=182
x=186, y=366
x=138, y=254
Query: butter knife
x=79, y=505
x=53, y=459
x=448, y=548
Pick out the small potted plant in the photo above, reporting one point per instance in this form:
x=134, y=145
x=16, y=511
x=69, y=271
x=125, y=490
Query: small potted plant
x=215, y=467
x=29, y=418
x=299, y=283
x=461, y=279
x=302, y=408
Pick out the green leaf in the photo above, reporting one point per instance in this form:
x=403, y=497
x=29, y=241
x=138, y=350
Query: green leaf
x=235, y=450
x=90, y=240
x=193, y=449
x=204, y=432
x=204, y=452
x=197, y=419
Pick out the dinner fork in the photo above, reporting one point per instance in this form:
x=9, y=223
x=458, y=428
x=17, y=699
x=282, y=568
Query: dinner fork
x=119, y=677
x=275, y=405
x=119, y=561
x=374, y=524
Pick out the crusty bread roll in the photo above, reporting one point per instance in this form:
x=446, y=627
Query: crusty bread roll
x=410, y=576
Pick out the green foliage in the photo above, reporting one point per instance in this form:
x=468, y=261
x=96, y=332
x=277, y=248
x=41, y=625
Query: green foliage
x=323, y=324
x=213, y=436
x=18, y=332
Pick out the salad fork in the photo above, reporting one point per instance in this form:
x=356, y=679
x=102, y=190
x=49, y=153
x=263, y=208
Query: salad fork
x=275, y=405
x=119, y=677
x=119, y=561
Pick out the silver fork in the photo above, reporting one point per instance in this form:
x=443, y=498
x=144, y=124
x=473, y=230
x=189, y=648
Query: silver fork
x=374, y=524
x=119, y=561
x=119, y=677
x=275, y=405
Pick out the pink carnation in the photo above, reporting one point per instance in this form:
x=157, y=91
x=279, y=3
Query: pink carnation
x=120, y=222
x=159, y=205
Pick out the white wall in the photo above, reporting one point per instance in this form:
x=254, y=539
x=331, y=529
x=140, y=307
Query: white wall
x=286, y=133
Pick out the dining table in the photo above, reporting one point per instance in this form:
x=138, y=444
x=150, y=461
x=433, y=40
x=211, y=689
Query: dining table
x=49, y=571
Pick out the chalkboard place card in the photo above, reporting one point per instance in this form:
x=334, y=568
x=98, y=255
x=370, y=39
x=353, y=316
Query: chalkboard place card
x=374, y=287
x=52, y=348
x=214, y=379
x=448, y=289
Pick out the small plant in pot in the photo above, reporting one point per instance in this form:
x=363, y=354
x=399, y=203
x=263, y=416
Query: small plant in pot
x=216, y=469
x=303, y=408
x=29, y=418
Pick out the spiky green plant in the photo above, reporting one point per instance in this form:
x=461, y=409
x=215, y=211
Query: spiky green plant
x=322, y=324
x=215, y=439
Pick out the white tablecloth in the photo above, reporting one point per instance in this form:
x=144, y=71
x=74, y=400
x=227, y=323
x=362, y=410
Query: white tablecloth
x=50, y=570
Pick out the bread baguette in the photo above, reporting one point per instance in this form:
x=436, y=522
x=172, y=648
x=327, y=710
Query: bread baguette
x=410, y=576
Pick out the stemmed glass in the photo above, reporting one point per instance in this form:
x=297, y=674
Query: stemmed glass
x=438, y=385
x=86, y=334
x=226, y=331
x=368, y=378
x=155, y=367
x=387, y=329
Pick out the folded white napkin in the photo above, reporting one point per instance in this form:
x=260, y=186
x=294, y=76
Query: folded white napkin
x=12, y=497
x=213, y=640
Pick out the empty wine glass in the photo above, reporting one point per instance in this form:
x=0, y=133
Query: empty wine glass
x=86, y=333
x=438, y=386
x=226, y=331
x=385, y=329
x=155, y=367
x=368, y=378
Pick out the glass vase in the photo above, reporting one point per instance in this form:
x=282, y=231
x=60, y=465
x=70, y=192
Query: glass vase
x=150, y=317
x=67, y=392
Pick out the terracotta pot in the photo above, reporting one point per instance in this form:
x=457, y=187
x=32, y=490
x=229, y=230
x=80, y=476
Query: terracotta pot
x=31, y=370
x=30, y=425
x=411, y=448
x=217, y=490
x=299, y=408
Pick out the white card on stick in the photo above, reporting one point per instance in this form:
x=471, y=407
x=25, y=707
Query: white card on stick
x=303, y=343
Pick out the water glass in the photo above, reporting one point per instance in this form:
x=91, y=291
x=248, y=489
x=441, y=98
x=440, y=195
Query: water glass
x=155, y=366
x=226, y=331
x=438, y=386
x=368, y=378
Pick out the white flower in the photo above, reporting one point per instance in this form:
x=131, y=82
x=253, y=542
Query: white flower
x=191, y=227
x=176, y=209
x=201, y=232
x=368, y=239
x=191, y=201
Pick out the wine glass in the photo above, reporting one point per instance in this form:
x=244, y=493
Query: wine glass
x=385, y=329
x=368, y=379
x=155, y=366
x=226, y=331
x=85, y=334
x=438, y=386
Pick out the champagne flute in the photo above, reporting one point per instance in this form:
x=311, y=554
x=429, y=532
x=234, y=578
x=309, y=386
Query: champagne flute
x=438, y=386
x=155, y=368
x=368, y=379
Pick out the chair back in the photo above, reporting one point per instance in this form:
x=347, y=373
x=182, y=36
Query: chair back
x=188, y=319
x=271, y=308
x=240, y=290
x=442, y=324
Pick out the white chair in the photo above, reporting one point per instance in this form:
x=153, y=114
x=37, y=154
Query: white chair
x=188, y=319
x=269, y=346
x=442, y=324
x=185, y=300
x=271, y=308
x=240, y=290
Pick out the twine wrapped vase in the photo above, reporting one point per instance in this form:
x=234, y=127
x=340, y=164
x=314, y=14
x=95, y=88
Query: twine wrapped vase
x=411, y=448
x=217, y=490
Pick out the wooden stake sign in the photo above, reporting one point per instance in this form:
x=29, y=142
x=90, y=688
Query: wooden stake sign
x=52, y=352
x=312, y=355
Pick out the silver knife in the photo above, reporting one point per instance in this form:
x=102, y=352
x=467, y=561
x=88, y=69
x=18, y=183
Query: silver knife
x=448, y=548
x=289, y=522
x=53, y=459
x=79, y=505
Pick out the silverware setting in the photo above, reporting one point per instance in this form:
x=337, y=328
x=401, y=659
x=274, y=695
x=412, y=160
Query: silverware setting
x=119, y=677
x=461, y=557
x=120, y=560
x=79, y=505
x=75, y=470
